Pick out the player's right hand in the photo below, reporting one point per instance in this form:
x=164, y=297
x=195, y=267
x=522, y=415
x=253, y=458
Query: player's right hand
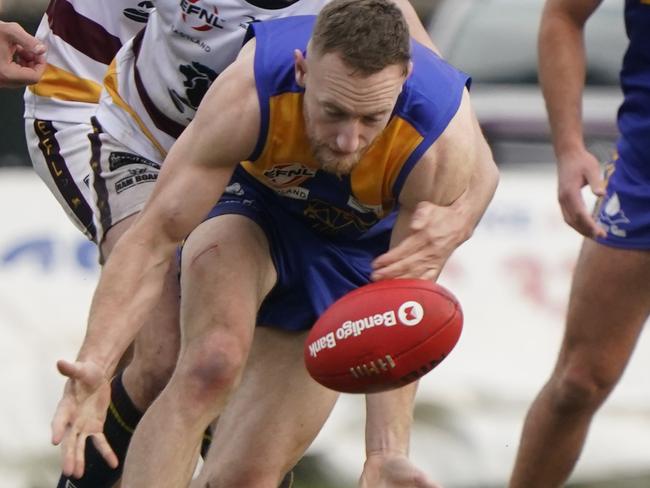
x=81, y=413
x=574, y=172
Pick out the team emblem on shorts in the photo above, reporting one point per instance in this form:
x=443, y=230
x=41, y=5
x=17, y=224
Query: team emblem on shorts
x=611, y=215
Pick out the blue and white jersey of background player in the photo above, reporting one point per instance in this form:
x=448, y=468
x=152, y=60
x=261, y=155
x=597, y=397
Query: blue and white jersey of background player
x=348, y=206
x=623, y=212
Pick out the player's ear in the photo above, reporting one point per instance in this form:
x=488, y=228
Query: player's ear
x=409, y=69
x=300, y=67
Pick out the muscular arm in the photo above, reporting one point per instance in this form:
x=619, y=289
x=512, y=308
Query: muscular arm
x=442, y=200
x=562, y=67
x=193, y=177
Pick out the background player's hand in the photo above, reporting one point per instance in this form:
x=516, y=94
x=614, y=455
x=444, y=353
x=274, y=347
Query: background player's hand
x=434, y=233
x=80, y=414
x=22, y=56
x=574, y=172
x=393, y=471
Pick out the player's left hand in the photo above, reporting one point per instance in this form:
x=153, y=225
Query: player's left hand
x=81, y=414
x=434, y=233
x=393, y=471
x=22, y=56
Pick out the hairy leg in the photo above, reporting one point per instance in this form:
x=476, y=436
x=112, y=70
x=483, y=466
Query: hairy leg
x=269, y=422
x=609, y=303
x=226, y=272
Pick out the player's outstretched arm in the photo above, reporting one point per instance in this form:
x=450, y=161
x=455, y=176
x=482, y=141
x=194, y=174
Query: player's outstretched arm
x=22, y=56
x=562, y=68
x=84, y=402
x=442, y=201
x=193, y=177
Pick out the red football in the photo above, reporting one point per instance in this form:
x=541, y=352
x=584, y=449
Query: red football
x=383, y=335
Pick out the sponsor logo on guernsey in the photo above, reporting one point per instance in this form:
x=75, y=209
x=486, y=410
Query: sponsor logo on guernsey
x=409, y=313
x=295, y=192
x=612, y=216
x=199, y=42
x=140, y=13
x=287, y=175
x=200, y=18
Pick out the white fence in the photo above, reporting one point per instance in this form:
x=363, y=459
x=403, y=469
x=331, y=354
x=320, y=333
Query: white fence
x=512, y=279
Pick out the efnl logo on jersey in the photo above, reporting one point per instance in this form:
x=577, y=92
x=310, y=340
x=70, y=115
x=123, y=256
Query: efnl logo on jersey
x=409, y=313
x=200, y=18
x=286, y=179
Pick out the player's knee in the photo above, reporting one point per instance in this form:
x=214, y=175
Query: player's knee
x=582, y=389
x=211, y=366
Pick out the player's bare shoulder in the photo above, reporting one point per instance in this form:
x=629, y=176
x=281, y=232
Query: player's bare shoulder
x=443, y=171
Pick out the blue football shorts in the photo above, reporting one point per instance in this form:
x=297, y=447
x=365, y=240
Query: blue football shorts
x=624, y=209
x=313, y=270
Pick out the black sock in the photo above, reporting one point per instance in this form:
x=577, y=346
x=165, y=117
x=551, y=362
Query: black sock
x=121, y=419
x=205, y=442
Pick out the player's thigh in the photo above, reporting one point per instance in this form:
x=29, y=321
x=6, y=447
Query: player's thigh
x=60, y=155
x=226, y=271
x=609, y=303
x=273, y=416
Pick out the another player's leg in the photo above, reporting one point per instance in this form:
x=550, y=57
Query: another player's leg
x=226, y=272
x=609, y=303
x=59, y=153
x=156, y=346
x=272, y=417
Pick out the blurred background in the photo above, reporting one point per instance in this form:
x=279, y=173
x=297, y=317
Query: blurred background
x=512, y=279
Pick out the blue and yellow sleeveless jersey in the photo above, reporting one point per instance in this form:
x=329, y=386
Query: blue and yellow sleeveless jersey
x=634, y=113
x=346, y=206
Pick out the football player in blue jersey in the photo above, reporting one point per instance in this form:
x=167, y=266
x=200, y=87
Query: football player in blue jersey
x=390, y=174
x=610, y=299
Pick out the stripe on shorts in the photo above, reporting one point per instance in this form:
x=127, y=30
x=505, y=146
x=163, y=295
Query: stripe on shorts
x=99, y=185
x=65, y=183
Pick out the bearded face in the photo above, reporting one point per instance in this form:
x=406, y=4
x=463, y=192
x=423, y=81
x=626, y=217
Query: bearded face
x=331, y=159
x=344, y=111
